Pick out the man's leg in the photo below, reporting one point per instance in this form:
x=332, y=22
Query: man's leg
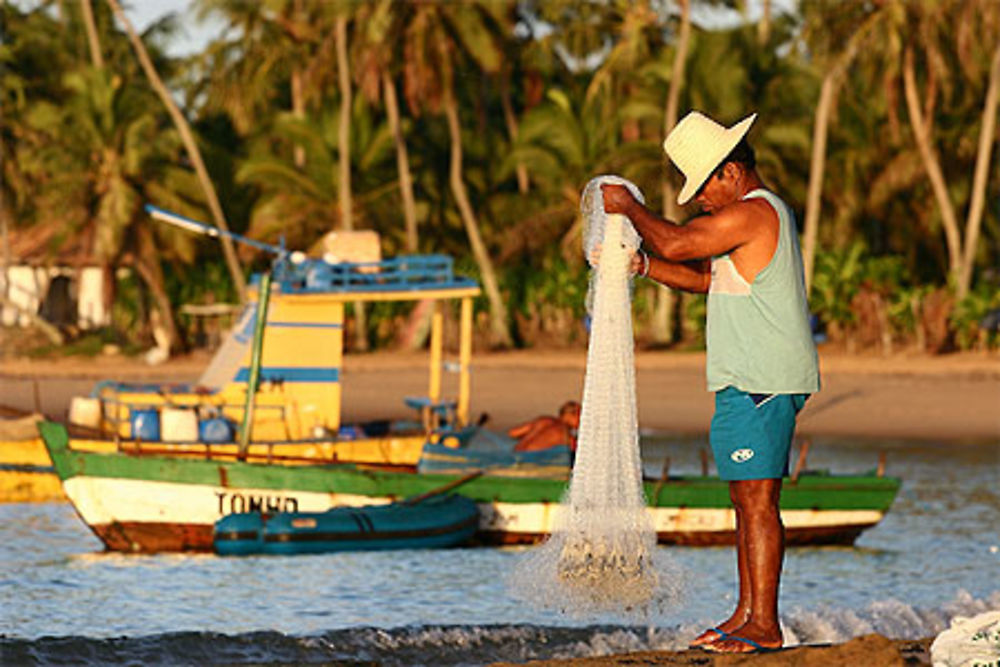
x=761, y=539
x=742, y=612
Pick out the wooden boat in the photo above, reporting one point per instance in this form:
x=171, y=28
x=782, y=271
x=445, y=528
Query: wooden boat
x=436, y=522
x=149, y=502
x=294, y=413
x=298, y=392
x=26, y=472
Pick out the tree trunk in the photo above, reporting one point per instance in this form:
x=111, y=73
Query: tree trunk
x=921, y=130
x=817, y=163
x=498, y=310
x=344, y=134
x=511, y=119
x=147, y=263
x=299, y=112
x=673, y=100
x=232, y=262
x=4, y=249
x=402, y=164
x=662, y=328
x=344, y=146
x=298, y=93
x=764, y=25
x=96, y=59
x=981, y=174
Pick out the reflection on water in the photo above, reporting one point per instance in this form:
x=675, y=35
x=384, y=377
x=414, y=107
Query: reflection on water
x=937, y=553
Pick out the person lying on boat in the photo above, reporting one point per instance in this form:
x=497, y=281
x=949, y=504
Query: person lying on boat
x=547, y=431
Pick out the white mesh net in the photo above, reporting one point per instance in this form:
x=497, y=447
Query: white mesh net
x=600, y=555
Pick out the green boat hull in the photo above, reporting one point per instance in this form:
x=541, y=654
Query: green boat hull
x=159, y=503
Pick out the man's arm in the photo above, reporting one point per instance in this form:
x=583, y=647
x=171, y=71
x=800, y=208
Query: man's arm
x=702, y=238
x=692, y=276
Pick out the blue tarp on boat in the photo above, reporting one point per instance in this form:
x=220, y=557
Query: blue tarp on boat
x=482, y=449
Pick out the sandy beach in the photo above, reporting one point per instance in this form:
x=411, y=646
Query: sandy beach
x=874, y=650
x=944, y=398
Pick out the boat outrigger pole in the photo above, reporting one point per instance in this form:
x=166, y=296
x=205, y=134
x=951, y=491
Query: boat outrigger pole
x=196, y=227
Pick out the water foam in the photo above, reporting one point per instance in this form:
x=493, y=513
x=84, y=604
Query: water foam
x=456, y=645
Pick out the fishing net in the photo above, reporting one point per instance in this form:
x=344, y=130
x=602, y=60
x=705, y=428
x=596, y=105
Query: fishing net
x=601, y=552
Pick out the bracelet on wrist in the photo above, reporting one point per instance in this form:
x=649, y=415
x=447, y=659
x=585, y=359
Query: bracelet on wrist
x=645, y=265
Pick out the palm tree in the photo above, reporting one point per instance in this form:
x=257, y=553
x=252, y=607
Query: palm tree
x=301, y=204
x=96, y=59
x=930, y=32
x=832, y=26
x=344, y=148
x=439, y=38
x=986, y=134
x=380, y=26
x=97, y=153
x=662, y=329
x=190, y=145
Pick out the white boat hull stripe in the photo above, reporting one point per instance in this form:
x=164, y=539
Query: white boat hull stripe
x=102, y=501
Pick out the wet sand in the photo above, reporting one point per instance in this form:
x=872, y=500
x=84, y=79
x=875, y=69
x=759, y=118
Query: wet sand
x=873, y=650
x=940, y=398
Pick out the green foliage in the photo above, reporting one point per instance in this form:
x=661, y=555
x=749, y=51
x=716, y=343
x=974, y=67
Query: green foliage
x=561, y=90
x=552, y=281
x=970, y=315
x=695, y=310
x=129, y=309
x=836, y=279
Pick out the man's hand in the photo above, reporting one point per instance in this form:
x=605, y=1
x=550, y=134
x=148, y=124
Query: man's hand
x=617, y=198
x=637, y=262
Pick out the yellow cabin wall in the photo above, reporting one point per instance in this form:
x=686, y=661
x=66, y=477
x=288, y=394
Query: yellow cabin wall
x=299, y=392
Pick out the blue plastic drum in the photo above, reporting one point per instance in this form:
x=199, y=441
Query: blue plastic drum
x=146, y=424
x=215, y=429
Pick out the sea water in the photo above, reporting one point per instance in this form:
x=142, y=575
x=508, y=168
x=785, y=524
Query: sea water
x=934, y=556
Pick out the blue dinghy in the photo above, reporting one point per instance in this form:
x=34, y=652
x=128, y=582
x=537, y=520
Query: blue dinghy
x=435, y=522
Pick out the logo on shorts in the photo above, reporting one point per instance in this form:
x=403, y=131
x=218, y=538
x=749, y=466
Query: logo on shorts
x=742, y=455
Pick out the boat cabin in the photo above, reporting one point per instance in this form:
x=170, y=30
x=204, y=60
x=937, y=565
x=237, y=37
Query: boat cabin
x=301, y=350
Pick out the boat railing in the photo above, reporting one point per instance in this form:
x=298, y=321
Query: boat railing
x=403, y=273
x=117, y=414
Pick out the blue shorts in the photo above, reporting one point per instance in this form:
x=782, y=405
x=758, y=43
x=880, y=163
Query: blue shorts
x=751, y=434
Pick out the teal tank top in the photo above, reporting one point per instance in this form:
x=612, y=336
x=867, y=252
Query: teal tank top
x=758, y=334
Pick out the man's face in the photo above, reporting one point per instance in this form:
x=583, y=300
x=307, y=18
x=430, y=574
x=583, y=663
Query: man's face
x=719, y=190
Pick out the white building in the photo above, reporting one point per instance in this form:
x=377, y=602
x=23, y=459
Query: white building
x=62, y=282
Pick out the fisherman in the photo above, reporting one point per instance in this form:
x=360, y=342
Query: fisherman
x=761, y=361
x=546, y=431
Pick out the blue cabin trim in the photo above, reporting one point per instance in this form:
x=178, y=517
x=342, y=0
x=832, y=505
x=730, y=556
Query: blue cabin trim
x=291, y=374
x=408, y=273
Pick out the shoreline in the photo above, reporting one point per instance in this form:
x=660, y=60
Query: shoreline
x=870, y=649
x=948, y=398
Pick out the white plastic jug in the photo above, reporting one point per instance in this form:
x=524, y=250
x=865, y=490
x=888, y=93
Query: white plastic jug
x=178, y=425
x=85, y=411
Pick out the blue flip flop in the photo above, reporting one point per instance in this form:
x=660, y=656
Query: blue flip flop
x=757, y=648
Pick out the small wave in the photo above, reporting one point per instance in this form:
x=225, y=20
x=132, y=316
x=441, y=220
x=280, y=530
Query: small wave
x=458, y=645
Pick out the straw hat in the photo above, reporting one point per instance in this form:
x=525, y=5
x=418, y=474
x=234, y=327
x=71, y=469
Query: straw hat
x=697, y=145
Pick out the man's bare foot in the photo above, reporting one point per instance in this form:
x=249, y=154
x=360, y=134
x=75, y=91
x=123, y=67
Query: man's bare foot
x=718, y=632
x=747, y=639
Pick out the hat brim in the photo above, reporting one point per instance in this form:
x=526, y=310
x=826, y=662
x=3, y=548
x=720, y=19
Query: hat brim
x=721, y=150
